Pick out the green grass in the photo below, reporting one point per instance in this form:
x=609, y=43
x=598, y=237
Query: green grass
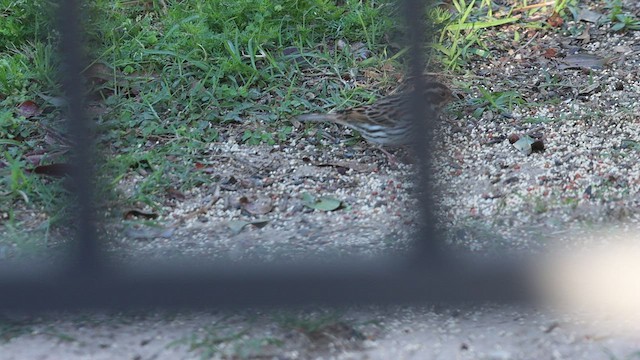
x=224, y=340
x=11, y=329
x=183, y=76
x=170, y=81
x=308, y=323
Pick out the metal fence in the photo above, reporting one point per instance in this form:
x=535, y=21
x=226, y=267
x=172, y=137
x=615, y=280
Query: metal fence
x=430, y=274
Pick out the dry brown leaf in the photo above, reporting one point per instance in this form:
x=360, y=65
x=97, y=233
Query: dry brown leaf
x=57, y=170
x=135, y=213
x=555, y=20
x=256, y=205
x=28, y=109
x=550, y=53
x=585, y=36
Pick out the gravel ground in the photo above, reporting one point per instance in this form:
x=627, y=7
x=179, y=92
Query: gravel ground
x=492, y=196
x=266, y=185
x=371, y=333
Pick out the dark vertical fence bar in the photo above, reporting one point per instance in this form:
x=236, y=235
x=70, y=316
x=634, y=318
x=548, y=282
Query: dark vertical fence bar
x=87, y=256
x=428, y=245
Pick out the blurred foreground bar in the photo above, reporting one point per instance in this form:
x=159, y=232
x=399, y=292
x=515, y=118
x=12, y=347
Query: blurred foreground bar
x=235, y=286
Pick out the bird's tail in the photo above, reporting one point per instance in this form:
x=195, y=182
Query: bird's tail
x=317, y=118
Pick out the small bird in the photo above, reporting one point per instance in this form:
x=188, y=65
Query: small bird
x=387, y=121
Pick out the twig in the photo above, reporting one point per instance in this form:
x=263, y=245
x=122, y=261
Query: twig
x=527, y=43
x=534, y=6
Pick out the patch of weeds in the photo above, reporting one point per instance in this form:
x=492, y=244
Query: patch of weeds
x=56, y=333
x=22, y=190
x=258, y=137
x=630, y=144
x=10, y=329
x=16, y=180
x=218, y=341
x=22, y=241
x=560, y=6
x=462, y=31
x=501, y=204
x=210, y=343
x=320, y=327
x=24, y=20
x=620, y=20
x=254, y=347
x=571, y=201
x=501, y=102
x=552, y=82
x=540, y=205
x=29, y=116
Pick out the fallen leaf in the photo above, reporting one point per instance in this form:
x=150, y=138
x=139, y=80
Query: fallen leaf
x=582, y=61
x=555, y=20
x=55, y=101
x=99, y=73
x=256, y=206
x=360, y=51
x=589, y=16
x=589, y=89
x=57, y=170
x=354, y=165
x=550, y=53
x=236, y=226
x=135, y=213
x=524, y=144
x=175, y=194
x=630, y=144
x=28, y=109
x=622, y=49
x=537, y=146
x=585, y=36
x=51, y=139
x=35, y=159
x=495, y=140
x=324, y=203
x=207, y=169
x=260, y=223
x=293, y=54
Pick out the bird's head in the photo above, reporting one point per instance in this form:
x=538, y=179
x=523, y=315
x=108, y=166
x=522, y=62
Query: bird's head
x=438, y=94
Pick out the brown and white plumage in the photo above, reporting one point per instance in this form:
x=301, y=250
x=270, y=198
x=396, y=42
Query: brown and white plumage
x=388, y=120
